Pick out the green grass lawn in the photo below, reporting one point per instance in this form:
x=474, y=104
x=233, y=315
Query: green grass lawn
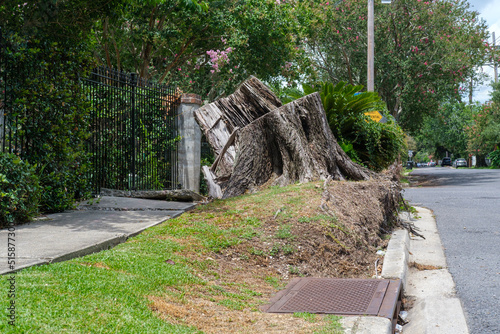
x=110, y=291
x=82, y=296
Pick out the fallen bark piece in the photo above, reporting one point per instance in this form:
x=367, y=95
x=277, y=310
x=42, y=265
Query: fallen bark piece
x=214, y=190
x=184, y=195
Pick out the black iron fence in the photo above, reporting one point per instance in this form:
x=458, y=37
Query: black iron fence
x=134, y=133
x=9, y=140
x=132, y=124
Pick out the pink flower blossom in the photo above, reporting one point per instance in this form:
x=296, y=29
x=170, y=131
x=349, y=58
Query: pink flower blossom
x=219, y=58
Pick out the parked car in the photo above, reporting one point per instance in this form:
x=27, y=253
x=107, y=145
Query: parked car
x=446, y=162
x=431, y=164
x=460, y=162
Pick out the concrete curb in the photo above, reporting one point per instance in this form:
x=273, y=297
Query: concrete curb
x=436, y=309
x=395, y=267
x=366, y=325
x=397, y=257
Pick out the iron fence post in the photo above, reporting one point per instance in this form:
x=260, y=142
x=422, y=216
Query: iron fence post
x=133, y=84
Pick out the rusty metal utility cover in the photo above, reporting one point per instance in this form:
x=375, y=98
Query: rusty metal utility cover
x=376, y=297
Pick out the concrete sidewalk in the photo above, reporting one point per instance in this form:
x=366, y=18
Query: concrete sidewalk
x=91, y=228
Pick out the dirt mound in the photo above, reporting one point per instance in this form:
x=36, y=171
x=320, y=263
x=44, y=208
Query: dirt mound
x=306, y=240
x=246, y=248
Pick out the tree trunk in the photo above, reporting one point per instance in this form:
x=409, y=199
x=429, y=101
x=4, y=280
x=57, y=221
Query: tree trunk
x=219, y=119
x=273, y=145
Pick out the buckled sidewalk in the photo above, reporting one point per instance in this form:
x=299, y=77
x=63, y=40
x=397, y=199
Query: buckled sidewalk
x=93, y=227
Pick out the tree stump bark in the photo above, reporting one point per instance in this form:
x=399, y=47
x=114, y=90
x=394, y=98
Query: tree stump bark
x=281, y=146
x=219, y=119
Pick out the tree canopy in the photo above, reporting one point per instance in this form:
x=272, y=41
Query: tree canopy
x=446, y=131
x=425, y=51
x=484, y=132
x=45, y=49
x=207, y=48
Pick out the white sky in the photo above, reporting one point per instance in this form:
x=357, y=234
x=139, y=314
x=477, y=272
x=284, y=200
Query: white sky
x=489, y=10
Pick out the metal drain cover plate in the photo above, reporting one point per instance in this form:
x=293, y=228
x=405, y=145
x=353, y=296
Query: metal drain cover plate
x=338, y=296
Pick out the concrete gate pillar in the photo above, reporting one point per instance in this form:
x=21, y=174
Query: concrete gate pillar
x=189, y=147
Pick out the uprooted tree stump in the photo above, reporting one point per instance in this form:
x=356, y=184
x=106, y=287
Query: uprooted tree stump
x=257, y=141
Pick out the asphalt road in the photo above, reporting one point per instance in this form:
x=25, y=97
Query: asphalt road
x=466, y=203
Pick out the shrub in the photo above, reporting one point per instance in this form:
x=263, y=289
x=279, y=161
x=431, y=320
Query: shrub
x=495, y=158
x=375, y=145
x=378, y=145
x=348, y=148
x=50, y=110
x=19, y=190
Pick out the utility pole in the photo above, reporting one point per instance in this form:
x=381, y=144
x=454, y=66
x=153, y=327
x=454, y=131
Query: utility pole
x=370, y=73
x=471, y=91
x=370, y=87
x=495, y=63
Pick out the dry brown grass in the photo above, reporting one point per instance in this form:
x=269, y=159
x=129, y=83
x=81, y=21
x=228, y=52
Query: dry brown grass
x=419, y=266
x=287, y=235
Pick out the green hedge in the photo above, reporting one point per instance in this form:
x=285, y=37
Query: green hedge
x=20, y=191
x=51, y=110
